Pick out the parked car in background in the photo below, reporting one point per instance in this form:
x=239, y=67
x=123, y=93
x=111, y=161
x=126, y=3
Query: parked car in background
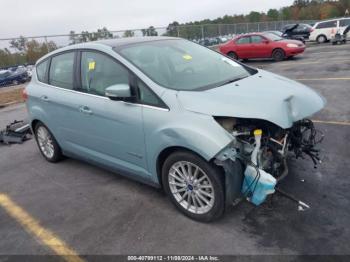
x=13, y=76
x=297, y=31
x=30, y=69
x=324, y=31
x=278, y=33
x=262, y=45
x=341, y=36
x=172, y=114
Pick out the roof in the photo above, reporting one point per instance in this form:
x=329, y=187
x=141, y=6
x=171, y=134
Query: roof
x=111, y=43
x=249, y=34
x=131, y=40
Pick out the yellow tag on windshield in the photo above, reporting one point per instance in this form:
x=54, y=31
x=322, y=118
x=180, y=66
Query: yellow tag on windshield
x=187, y=57
x=92, y=65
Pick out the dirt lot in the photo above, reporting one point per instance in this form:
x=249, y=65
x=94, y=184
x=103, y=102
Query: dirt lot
x=97, y=212
x=11, y=95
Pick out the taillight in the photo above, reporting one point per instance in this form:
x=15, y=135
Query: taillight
x=24, y=95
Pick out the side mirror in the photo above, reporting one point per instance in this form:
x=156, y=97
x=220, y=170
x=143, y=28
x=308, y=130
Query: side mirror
x=118, y=92
x=265, y=41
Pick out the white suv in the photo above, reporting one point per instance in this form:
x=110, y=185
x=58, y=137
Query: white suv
x=325, y=30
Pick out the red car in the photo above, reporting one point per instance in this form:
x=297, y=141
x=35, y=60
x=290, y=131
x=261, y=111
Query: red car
x=262, y=45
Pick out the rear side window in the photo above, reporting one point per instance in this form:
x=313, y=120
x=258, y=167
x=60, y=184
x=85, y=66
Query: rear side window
x=344, y=22
x=61, y=70
x=243, y=40
x=99, y=71
x=329, y=24
x=41, y=71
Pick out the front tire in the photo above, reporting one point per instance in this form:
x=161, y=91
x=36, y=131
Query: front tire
x=194, y=186
x=47, y=143
x=278, y=55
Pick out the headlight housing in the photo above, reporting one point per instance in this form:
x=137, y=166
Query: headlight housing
x=292, y=45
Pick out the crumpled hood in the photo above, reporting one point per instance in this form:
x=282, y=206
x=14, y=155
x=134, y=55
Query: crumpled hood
x=262, y=96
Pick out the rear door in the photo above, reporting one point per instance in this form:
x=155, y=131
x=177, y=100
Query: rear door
x=243, y=47
x=261, y=47
x=52, y=97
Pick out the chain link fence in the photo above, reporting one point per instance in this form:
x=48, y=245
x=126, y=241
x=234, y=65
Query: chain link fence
x=208, y=35
x=191, y=32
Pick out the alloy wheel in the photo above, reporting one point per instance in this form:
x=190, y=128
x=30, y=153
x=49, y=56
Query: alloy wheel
x=45, y=142
x=191, y=187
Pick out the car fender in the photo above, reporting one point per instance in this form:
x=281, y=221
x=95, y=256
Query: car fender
x=201, y=135
x=36, y=113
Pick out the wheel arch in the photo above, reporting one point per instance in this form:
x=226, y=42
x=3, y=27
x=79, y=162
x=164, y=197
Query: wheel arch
x=34, y=122
x=277, y=48
x=165, y=153
x=232, y=52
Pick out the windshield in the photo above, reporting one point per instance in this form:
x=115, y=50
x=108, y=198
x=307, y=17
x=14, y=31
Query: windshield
x=182, y=65
x=272, y=36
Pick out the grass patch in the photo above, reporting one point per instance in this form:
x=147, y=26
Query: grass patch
x=11, y=96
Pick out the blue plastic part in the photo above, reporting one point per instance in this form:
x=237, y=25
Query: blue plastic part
x=258, y=189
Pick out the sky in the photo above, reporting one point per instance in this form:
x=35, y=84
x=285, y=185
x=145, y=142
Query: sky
x=47, y=17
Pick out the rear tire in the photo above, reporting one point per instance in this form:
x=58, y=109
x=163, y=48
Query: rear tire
x=194, y=186
x=47, y=143
x=278, y=55
x=233, y=55
x=321, y=39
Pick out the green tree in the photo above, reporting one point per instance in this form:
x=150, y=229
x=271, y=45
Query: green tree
x=273, y=14
x=254, y=16
x=150, y=31
x=35, y=50
x=128, y=33
x=19, y=44
x=285, y=13
x=172, y=29
x=86, y=36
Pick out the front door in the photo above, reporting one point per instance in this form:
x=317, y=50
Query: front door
x=106, y=131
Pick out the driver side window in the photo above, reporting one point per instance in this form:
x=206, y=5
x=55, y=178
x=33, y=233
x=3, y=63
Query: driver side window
x=256, y=39
x=98, y=71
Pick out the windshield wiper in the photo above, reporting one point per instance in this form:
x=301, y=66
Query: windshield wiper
x=232, y=80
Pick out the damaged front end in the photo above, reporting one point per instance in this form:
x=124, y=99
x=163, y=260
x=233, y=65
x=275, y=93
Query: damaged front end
x=256, y=159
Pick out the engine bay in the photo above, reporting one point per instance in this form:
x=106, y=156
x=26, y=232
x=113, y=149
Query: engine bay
x=263, y=148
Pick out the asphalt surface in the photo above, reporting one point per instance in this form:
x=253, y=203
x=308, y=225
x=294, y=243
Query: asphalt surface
x=98, y=212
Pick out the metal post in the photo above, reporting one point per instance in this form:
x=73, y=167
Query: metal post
x=47, y=46
x=258, y=27
x=202, y=28
x=178, y=32
x=235, y=29
x=247, y=31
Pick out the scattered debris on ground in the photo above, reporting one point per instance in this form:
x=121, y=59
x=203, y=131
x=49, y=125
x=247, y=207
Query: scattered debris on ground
x=15, y=133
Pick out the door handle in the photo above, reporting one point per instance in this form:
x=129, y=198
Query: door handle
x=44, y=98
x=85, y=110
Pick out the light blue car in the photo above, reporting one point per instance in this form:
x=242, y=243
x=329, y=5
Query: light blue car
x=172, y=114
